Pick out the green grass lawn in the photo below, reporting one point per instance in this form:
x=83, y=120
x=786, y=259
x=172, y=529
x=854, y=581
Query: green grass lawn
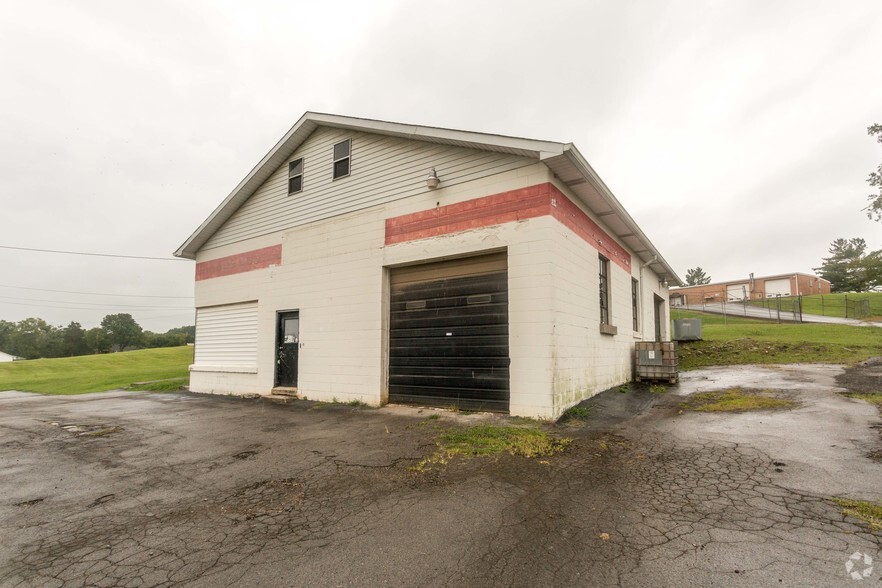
x=742, y=341
x=95, y=373
x=834, y=304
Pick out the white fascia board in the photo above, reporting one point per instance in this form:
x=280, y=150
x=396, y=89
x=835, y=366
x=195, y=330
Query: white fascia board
x=239, y=192
x=589, y=174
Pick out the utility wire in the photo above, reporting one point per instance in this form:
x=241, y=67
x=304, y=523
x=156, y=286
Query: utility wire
x=93, y=254
x=93, y=293
x=99, y=304
x=104, y=308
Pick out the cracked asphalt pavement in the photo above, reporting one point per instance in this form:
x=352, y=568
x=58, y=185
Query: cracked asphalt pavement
x=138, y=489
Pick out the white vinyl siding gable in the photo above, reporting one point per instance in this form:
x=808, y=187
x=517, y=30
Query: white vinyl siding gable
x=226, y=337
x=382, y=169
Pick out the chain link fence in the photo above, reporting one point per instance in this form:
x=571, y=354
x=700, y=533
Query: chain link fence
x=782, y=308
x=777, y=309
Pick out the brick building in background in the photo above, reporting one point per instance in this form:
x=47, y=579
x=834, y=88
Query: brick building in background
x=796, y=284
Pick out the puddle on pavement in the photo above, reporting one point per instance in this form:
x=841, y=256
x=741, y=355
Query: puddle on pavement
x=102, y=499
x=865, y=377
x=30, y=502
x=242, y=455
x=81, y=430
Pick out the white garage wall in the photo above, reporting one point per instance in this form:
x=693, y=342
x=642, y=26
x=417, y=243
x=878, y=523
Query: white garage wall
x=335, y=272
x=584, y=361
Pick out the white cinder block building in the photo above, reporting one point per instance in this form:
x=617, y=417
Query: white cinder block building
x=383, y=262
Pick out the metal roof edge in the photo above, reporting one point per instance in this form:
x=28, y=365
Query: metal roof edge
x=536, y=148
x=183, y=250
x=442, y=134
x=573, y=154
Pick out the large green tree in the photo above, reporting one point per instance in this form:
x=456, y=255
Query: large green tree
x=6, y=330
x=122, y=330
x=697, y=277
x=96, y=340
x=33, y=338
x=850, y=268
x=874, y=209
x=74, y=340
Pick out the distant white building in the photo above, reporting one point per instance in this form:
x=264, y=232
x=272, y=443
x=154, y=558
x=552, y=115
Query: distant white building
x=7, y=357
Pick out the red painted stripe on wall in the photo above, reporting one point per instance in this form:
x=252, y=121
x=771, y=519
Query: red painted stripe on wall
x=524, y=203
x=239, y=263
x=571, y=216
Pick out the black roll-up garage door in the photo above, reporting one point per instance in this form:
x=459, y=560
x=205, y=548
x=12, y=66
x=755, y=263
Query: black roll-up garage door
x=449, y=334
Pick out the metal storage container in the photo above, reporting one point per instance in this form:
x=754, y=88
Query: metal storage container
x=657, y=361
x=687, y=329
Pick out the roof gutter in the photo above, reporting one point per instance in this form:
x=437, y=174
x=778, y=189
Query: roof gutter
x=588, y=172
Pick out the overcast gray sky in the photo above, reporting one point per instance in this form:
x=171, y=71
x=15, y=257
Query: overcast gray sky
x=734, y=132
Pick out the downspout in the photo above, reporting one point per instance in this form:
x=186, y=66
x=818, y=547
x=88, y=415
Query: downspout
x=640, y=310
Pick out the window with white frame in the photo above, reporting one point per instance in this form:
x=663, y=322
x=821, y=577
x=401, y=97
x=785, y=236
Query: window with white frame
x=342, y=153
x=295, y=176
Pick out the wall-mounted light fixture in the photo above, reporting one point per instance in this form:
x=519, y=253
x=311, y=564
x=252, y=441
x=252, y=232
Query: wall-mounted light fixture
x=432, y=180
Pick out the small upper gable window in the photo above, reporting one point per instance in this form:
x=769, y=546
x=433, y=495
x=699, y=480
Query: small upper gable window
x=341, y=158
x=295, y=176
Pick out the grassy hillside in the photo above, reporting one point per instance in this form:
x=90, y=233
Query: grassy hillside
x=834, y=304
x=94, y=373
x=829, y=304
x=743, y=341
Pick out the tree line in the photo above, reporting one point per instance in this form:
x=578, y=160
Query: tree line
x=34, y=338
x=851, y=268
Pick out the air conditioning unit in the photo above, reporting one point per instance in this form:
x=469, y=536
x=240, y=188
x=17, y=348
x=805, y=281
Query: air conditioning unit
x=687, y=329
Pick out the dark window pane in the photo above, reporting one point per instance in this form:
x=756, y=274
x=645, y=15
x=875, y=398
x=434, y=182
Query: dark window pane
x=341, y=150
x=295, y=168
x=634, y=296
x=603, y=276
x=295, y=184
x=341, y=168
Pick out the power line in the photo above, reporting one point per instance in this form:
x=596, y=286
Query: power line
x=92, y=254
x=99, y=304
x=93, y=293
x=5, y=300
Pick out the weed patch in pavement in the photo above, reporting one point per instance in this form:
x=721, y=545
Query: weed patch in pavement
x=576, y=413
x=869, y=512
x=489, y=440
x=736, y=400
x=486, y=440
x=872, y=398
